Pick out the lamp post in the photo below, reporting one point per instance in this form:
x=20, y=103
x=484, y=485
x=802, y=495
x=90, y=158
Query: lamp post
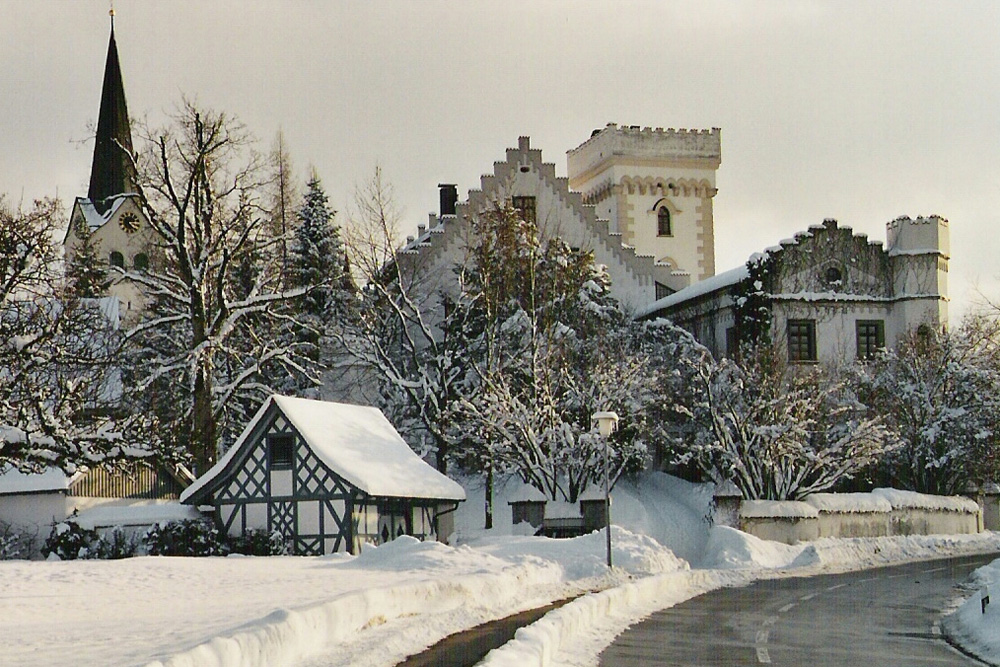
x=607, y=422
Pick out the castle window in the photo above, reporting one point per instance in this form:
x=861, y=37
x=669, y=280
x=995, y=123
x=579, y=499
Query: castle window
x=871, y=337
x=525, y=206
x=732, y=343
x=801, y=340
x=117, y=259
x=279, y=451
x=663, y=222
x=140, y=262
x=662, y=291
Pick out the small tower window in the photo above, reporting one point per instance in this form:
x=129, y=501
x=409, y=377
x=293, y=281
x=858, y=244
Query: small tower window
x=525, y=206
x=117, y=259
x=140, y=262
x=663, y=222
x=280, y=451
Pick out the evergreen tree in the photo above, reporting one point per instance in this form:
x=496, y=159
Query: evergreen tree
x=319, y=262
x=87, y=272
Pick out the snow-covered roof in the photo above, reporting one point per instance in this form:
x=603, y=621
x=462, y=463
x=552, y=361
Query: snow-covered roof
x=145, y=514
x=355, y=441
x=700, y=288
x=12, y=481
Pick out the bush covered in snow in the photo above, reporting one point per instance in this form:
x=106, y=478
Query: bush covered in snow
x=115, y=544
x=190, y=537
x=15, y=543
x=69, y=541
x=259, y=543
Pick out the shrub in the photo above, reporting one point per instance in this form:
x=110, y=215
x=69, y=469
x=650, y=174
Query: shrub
x=69, y=541
x=115, y=544
x=259, y=543
x=14, y=543
x=190, y=537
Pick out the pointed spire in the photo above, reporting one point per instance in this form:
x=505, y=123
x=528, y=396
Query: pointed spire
x=112, y=172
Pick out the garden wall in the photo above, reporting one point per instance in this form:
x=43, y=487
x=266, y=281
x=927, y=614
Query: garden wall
x=883, y=512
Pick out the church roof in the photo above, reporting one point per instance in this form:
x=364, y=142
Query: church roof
x=112, y=171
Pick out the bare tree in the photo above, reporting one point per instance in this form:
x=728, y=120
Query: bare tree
x=218, y=319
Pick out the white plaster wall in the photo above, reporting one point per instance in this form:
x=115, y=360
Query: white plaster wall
x=34, y=512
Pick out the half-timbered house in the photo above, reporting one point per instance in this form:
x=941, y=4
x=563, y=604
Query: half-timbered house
x=329, y=477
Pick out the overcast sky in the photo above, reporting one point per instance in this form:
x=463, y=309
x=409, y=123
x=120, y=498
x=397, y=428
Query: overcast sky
x=860, y=111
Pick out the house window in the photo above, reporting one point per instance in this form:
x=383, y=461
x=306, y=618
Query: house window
x=871, y=338
x=140, y=262
x=117, y=259
x=663, y=222
x=662, y=291
x=279, y=450
x=525, y=206
x=801, y=340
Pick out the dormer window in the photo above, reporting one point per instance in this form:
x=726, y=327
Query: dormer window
x=663, y=222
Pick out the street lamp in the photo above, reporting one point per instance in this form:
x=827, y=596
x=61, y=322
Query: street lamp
x=607, y=422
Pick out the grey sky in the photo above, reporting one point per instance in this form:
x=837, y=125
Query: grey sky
x=861, y=111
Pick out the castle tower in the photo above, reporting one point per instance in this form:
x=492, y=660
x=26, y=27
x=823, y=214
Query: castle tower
x=656, y=189
x=112, y=172
x=919, y=250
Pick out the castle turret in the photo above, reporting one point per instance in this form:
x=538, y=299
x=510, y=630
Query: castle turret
x=919, y=250
x=655, y=187
x=112, y=172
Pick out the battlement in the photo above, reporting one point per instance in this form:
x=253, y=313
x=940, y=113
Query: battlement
x=646, y=143
x=921, y=235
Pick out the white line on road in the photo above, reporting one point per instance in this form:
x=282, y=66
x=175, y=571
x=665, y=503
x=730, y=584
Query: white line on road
x=806, y=598
x=935, y=629
x=787, y=607
x=769, y=621
x=762, y=636
x=762, y=655
x=833, y=588
x=937, y=569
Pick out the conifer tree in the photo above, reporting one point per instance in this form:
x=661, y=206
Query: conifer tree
x=87, y=272
x=319, y=262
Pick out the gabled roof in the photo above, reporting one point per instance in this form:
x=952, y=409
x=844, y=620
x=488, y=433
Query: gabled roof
x=13, y=481
x=112, y=171
x=357, y=442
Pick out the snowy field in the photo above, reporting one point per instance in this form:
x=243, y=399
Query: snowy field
x=387, y=603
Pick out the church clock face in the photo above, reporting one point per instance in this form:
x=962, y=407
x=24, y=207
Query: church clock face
x=129, y=222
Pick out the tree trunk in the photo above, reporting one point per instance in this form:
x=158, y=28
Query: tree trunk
x=489, y=495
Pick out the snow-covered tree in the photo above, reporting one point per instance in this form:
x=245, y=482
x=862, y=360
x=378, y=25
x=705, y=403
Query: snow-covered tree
x=87, y=272
x=58, y=382
x=777, y=432
x=940, y=393
x=219, y=322
x=318, y=260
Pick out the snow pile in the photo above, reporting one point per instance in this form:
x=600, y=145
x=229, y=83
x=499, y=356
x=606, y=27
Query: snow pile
x=971, y=628
x=728, y=548
x=853, y=503
x=920, y=501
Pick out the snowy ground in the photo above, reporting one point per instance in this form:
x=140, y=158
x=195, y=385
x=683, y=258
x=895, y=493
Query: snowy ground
x=395, y=600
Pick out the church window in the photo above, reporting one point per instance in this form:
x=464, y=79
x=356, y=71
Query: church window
x=525, y=206
x=801, y=340
x=117, y=259
x=140, y=262
x=871, y=338
x=279, y=449
x=663, y=222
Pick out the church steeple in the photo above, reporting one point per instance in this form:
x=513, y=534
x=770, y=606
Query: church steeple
x=112, y=172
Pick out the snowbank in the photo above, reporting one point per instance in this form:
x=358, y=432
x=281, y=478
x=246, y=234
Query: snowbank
x=971, y=628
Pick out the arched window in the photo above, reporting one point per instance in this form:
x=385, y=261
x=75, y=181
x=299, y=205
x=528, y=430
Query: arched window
x=140, y=262
x=663, y=222
x=117, y=259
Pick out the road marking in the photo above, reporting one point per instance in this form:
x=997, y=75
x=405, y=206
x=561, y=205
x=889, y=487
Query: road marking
x=762, y=636
x=787, y=607
x=937, y=569
x=936, y=629
x=833, y=588
x=762, y=655
x=806, y=598
x=769, y=621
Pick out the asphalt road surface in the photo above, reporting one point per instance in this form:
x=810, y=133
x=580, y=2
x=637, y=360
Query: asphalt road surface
x=873, y=618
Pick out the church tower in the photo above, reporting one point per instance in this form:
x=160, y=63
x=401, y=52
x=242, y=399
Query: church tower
x=655, y=187
x=110, y=215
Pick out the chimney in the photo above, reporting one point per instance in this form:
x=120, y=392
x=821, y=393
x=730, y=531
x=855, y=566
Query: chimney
x=449, y=197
